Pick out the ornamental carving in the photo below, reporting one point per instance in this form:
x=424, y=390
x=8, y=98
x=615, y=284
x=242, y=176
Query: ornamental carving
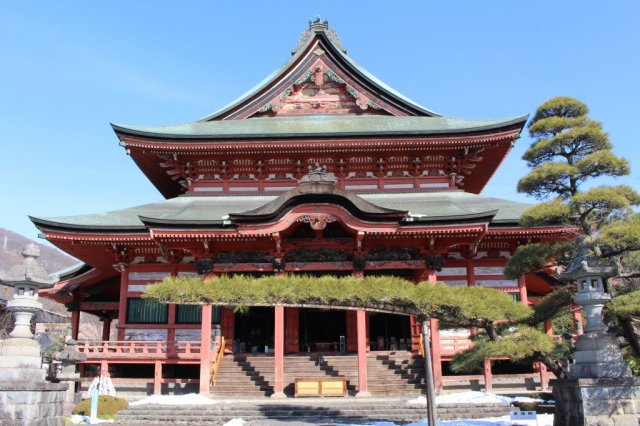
x=242, y=257
x=359, y=263
x=278, y=265
x=318, y=25
x=317, y=255
x=319, y=90
x=434, y=262
x=318, y=174
x=204, y=265
x=393, y=253
x=317, y=221
x=123, y=256
x=173, y=256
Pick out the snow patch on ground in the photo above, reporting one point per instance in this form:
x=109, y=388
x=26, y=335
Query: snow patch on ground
x=188, y=399
x=78, y=419
x=543, y=420
x=472, y=397
x=235, y=422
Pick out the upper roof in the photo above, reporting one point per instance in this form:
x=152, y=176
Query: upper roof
x=211, y=210
x=318, y=125
x=319, y=94
x=402, y=115
x=330, y=38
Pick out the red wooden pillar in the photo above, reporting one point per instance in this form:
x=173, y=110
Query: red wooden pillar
x=292, y=328
x=361, y=320
x=171, y=318
x=352, y=331
x=106, y=329
x=75, y=324
x=122, y=305
x=205, y=349
x=278, y=352
x=471, y=273
x=522, y=286
x=548, y=327
x=227, y=325
x=488, y=376
x=157, y=378
x=171, y=331
x=416, y=331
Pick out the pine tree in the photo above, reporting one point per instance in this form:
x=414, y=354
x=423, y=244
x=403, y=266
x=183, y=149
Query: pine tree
x=570, y=150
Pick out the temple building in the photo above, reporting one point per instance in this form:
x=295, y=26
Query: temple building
x=319, y=169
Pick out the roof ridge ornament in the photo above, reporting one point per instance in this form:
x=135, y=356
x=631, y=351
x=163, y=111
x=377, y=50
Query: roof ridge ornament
x=318, y=26
x=318, y=174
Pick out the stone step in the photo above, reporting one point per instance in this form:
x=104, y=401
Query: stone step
x=327, y=410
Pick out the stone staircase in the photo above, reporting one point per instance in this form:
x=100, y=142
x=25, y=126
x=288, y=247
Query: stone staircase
x=390, y=373
x=244, y=375
x=298, y=411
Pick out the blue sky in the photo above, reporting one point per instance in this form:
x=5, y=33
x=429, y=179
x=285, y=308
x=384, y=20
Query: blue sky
x=68, y=68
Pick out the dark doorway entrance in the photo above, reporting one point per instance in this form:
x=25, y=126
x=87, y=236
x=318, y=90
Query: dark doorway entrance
x=254, y=330
x=389, y=332
x=321, y=329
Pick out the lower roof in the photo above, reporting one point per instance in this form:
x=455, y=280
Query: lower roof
x=320, y=125
x=215, y=209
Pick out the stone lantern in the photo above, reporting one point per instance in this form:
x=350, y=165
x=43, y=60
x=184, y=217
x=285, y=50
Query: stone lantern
x=20, y=354
x=597, y=351
x=599, y=389
x=25, y=397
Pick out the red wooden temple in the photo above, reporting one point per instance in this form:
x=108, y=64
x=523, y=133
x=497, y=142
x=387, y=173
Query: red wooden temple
x=320, y=169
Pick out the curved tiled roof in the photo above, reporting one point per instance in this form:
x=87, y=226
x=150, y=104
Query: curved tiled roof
x=319, y=125
x=214, y=210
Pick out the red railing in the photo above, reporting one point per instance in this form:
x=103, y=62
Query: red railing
x=216, y=360
x=139, y=349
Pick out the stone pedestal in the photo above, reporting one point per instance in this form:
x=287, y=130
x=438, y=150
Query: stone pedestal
x=20, y=360
x=597, y=402
x=32, y=403
x=69, y=378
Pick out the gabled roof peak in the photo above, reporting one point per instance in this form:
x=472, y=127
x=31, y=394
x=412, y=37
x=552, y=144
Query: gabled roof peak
x=319, y=26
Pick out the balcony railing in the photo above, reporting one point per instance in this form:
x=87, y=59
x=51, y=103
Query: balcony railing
x=139, y=349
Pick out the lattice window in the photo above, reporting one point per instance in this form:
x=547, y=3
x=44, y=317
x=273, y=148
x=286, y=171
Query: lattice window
x=143, y=311
x=192, y=314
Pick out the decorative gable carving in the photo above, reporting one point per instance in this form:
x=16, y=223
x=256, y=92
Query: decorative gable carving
x=319, y=90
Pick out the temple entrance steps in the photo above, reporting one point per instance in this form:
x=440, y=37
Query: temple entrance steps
x=389, y=373
x=253, y=375
x=395, y=373
x=245, y=375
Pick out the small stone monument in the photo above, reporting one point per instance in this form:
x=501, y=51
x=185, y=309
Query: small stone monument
x=600, y=389
x=25, y=397
x=69, y=357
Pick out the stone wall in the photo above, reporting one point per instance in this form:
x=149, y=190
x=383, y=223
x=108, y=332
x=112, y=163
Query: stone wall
x=597, y=402
x=32, y=404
